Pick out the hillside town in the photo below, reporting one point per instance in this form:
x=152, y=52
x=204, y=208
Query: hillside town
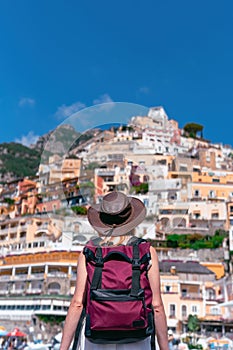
x=186, y=184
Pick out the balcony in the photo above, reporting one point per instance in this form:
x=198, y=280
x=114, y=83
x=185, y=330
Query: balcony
x=4, y=231
x=4, y=291
x=35, y=276
x=13, y=230
x=191, y=296
x=5, y=278
x=73, y=277
x=17, y=291
x=57, y=274
x=34, y=291
x=22, y=276
x=4, y=238
x=53, y=291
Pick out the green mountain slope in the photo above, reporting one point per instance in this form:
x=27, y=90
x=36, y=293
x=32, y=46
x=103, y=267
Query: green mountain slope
x=17, y=161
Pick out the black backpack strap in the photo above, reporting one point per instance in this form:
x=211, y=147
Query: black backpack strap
x=78, y=329
x=136, y=263
x=136, y=240
x=99, y=263
x=152, y=337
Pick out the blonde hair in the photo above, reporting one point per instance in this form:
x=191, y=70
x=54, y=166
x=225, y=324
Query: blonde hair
x=117, y=240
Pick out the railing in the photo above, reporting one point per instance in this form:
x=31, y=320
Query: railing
x=57, y=274
x=13, y=229
x=34, y=291
x=3, y=291
x=22, y=276
x=36, y=275
x=5, y=278
x=53, y=291
x=191, y=296
x=4, y=231
x=17, y=291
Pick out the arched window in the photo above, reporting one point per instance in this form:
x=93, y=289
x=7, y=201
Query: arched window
x=184, y=311
x=54, y=288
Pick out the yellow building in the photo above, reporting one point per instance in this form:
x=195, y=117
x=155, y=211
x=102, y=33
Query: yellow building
x=188, y=288
x=212, y=185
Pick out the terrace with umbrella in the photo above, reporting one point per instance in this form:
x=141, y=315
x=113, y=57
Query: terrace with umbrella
x=16, y=333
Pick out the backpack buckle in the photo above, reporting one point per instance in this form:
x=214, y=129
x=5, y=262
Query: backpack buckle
x=136, y=264
x=99, y=262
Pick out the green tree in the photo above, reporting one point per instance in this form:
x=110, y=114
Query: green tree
x=142, y=188
x=79, y=210
x=9, y=201
x=191, y=129
x=193, y=323
x=51, y=319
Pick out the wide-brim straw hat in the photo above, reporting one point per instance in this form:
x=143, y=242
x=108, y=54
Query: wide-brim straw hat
x=117, y=214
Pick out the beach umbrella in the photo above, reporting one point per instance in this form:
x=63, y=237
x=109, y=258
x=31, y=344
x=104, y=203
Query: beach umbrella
x=211, y=340
x=16, y=333
x=203, y=343
x=225, y=340
x=58, y=337
x=3, y=332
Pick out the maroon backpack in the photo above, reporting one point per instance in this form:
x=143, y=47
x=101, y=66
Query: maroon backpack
x=118, y=304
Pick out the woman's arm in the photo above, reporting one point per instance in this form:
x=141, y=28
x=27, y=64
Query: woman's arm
x=157, y=303
x=76, y=305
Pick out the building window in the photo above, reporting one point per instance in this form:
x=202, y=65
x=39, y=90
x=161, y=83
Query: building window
x=197, y=215
x=172, y=310
x=196, y=193
x=184, y=311
x=184, y=292
x=210, y=294
x=211, y=194
x=194, y=309
x=215, y=311
x=167, y=289
x=215, y=215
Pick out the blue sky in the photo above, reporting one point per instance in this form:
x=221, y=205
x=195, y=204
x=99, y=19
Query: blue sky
x=58, y=57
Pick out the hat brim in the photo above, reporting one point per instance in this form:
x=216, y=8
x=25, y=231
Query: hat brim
x=137, y=216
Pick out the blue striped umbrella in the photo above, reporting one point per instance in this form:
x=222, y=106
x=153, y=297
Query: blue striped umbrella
x=2, y=333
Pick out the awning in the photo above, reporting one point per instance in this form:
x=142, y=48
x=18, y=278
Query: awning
x=226, y=304
x=172, y=323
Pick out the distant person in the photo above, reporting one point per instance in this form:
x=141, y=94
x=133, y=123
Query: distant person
x=115, y=219
x=170, y=339
x=23, y=344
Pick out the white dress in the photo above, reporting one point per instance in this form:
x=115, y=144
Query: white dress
x=85, y=344
x=139, y=345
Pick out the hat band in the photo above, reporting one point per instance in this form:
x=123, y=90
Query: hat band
x=116, y=219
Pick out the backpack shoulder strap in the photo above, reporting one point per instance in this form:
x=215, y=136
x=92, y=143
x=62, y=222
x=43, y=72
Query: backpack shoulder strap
x=136, y=240
x=78, y=329
x=99, y=263
x=136, y=272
